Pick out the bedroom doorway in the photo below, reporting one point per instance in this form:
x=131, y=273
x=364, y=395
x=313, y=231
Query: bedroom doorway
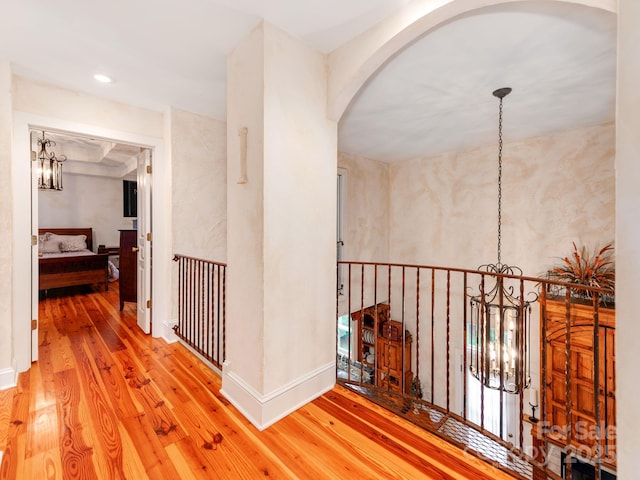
x=93, y=195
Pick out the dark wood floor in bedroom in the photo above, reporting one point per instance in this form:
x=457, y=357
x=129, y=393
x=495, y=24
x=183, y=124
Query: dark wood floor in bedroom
x=105, y=401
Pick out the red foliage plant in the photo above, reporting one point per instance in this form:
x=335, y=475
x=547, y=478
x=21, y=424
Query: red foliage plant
x=591, y=268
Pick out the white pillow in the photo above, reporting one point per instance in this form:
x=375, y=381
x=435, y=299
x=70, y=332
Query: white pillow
x=48, y=244
x=71, y=243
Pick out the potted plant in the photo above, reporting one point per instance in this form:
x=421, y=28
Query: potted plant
x=585, y=267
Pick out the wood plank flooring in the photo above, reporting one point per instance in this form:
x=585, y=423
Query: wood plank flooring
x=108, y=402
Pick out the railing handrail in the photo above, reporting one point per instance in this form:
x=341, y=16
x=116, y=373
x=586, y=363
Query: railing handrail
x=178, y=256
x=484, y=273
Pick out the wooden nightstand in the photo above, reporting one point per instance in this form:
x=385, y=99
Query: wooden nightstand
x=109, y=250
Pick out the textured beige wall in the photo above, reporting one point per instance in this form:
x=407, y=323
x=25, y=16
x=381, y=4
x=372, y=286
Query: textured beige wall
x=365, y=224
x=199, y=192
x=555, y=190
x=366, y=215
x=6, y=334
x=86, y=201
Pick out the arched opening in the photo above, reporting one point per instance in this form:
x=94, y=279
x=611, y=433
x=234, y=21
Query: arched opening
x=441, y=190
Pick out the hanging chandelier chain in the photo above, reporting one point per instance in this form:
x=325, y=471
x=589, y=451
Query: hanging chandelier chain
x=500, y=183
x=500, y=93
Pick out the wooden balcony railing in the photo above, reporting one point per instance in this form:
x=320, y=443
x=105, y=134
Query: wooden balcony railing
x=409, y=338
x=201, y=306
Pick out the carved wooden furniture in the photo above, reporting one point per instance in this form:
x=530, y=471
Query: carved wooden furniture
x=391, y=371
x=74, y=269
x=368, y=320
x=380, y=345
x=581, y=376
x=128, y=267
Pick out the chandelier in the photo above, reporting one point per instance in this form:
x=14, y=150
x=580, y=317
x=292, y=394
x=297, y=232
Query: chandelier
x=499, y=332
x=49, y=166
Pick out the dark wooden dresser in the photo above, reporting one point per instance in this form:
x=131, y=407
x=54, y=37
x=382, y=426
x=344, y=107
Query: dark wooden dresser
x=128, y=266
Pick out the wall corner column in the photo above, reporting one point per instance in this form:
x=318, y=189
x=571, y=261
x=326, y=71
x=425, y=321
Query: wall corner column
x=8, y=372
x=281, y=221
x=627, y=238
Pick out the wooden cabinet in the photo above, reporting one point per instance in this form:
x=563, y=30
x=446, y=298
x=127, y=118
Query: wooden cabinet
x=581, y=368
x=390, y=371
x=380, y=346
x=128, y=266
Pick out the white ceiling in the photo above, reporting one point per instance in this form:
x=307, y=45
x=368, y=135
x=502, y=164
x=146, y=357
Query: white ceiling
x=433, y=97
x=436, y=96
x=89, y=156
x=83, y=149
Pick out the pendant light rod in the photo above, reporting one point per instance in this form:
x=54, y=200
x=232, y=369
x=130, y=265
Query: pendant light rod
x=500, y=93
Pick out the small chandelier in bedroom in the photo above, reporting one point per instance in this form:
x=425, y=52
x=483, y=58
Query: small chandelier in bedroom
x=499, y=330
x=49, y=166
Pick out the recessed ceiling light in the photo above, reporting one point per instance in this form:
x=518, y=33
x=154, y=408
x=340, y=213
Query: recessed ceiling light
x=102, y=78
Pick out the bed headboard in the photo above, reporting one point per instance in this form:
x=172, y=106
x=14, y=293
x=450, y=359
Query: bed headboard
x=71, y=231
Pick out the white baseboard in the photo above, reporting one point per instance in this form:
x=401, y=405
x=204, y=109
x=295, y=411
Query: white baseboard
x=167, y=331
x=265, y=410
x=9, y=377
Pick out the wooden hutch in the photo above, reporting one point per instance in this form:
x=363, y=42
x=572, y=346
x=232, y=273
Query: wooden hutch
x=380, y=345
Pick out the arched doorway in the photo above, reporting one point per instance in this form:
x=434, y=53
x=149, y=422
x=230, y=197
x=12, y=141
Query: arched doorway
x=374, y=60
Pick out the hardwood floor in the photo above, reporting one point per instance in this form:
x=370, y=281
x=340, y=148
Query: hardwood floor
x=105, y=401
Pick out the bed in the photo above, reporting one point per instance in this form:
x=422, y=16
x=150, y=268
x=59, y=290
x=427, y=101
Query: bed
x=66, y=259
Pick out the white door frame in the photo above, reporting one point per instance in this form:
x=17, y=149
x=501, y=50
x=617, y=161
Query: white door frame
x=33, y=143
x=22, y=231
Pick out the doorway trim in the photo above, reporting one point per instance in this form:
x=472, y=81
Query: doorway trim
x=21, y=245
